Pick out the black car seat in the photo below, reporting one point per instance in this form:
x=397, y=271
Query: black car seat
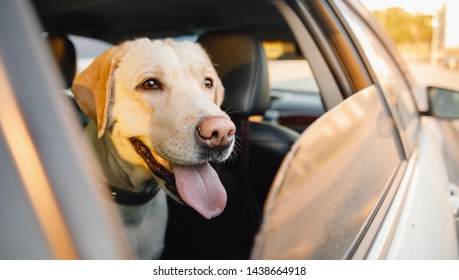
x=64, y=53
x=242, y=65
x=247, y=176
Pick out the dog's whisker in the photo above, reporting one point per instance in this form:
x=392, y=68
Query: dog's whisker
x=236, y=152
x=229, y=111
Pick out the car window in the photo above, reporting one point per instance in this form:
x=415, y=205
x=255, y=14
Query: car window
x=288, y=71
x=331, y=183
x=296, y=100
x=87, y=49
x=395, y=88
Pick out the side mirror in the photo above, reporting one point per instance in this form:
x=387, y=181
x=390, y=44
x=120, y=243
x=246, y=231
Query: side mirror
x=443, y=103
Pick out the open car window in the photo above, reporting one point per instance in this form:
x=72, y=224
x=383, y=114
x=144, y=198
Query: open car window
x=87, y=49
x=296, y=100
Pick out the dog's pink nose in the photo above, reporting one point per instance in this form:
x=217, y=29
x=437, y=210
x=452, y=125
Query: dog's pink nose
x=217, y=131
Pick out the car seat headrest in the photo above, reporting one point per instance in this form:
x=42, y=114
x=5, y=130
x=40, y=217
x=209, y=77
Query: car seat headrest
x=240, y=61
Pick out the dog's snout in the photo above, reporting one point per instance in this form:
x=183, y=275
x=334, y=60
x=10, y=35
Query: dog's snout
x=217, y=131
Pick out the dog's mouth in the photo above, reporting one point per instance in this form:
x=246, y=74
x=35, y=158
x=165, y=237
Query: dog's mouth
x=198, y=186
x=158, y=169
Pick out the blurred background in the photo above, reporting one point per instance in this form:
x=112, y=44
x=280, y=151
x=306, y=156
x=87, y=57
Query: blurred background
x=426, y=33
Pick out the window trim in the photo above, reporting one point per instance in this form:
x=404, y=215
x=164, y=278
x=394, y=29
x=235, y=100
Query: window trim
x=408, y=145
x=318, y=54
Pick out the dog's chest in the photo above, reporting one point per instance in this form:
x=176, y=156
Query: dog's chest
x=145, y=226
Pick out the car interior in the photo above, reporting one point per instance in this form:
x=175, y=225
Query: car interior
x=346, y=185
x=269, y=117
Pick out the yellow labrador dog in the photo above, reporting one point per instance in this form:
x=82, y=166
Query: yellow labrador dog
x=156, y=124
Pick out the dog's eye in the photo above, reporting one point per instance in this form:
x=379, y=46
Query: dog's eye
x=150, y=84
x=208, y=83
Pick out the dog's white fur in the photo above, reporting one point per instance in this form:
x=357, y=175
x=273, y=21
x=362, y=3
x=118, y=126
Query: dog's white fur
x=165, y=119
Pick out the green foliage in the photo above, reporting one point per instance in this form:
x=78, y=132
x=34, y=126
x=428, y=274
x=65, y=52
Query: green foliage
x=405, y=28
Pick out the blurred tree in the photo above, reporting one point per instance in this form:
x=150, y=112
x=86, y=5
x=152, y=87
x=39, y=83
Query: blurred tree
x=406, y=28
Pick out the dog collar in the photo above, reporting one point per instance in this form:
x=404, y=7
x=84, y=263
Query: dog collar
x=125, y=197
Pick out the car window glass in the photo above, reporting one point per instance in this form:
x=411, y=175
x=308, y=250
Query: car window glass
x=288, y=71
x=87, y=49
x=296, y=100
x=331, y=182
x=389, y=76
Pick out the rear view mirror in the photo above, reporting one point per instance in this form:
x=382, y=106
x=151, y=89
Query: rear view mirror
x=443, y=103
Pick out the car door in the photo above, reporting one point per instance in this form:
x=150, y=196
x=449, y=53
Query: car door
x=356, y=183
x=419, y=223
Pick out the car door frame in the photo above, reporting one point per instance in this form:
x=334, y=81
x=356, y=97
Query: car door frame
x=64, y=204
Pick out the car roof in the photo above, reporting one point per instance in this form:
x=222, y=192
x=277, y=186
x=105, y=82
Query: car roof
x=117, y=20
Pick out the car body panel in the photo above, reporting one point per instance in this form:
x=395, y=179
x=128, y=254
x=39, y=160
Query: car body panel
x=421, y=209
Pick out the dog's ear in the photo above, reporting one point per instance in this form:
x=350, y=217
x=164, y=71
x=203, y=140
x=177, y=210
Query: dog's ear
x=93, y=87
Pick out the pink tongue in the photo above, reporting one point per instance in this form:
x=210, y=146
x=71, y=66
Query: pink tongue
x=200, y=188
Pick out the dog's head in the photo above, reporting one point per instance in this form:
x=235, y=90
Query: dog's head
x=158, y=101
